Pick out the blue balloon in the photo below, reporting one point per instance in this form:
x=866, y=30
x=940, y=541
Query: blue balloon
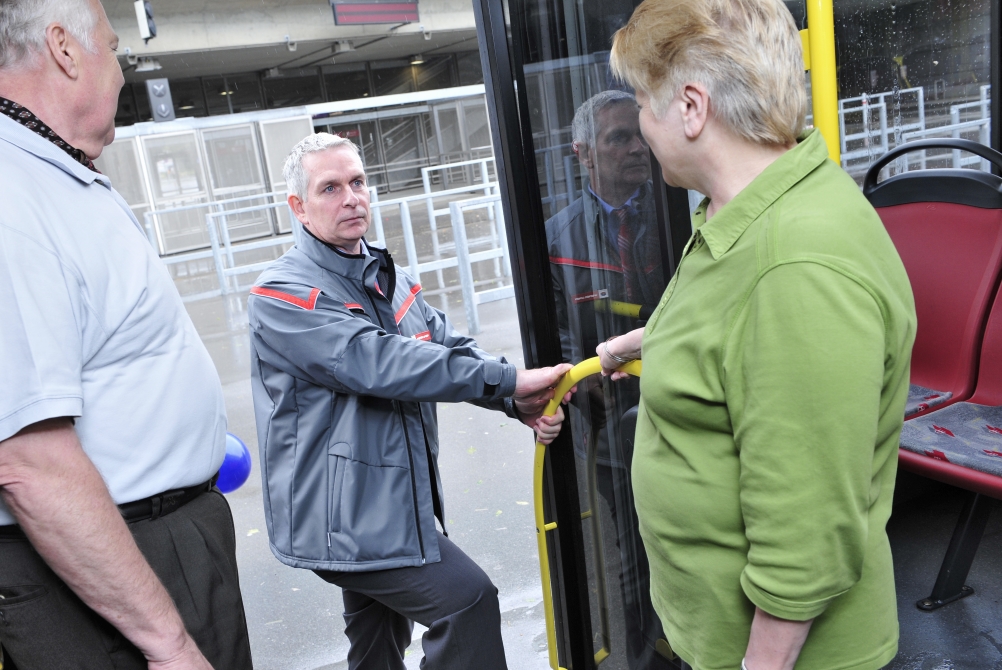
x=236, y=465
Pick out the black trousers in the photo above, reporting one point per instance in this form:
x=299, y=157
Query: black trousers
x=44, y=626
x=454, y=598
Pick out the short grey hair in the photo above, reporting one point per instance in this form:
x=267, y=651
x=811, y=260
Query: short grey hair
x=23, y=24
x=583, y=127
x=295, y=175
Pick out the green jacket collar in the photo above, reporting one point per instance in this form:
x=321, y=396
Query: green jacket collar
x=724, y=229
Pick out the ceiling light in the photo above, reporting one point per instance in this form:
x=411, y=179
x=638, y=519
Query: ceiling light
x=417, y=59
x=343, y=46
x=186, y=105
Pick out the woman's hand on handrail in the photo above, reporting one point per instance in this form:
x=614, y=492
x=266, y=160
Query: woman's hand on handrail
x=617, y=350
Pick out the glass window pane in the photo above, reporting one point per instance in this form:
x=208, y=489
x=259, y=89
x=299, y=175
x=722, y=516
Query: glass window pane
x=293, y=88
x=910, y=71
x=188, y=97
x=470, y=69
x=389, y=77
x=233, y=93
x=346, y=82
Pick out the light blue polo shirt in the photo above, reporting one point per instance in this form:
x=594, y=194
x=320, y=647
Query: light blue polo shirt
x=91, y=326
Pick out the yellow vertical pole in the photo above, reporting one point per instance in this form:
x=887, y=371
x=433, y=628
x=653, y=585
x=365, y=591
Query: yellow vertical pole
x=824, y=86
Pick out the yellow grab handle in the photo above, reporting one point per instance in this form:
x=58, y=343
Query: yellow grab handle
x=574, y=375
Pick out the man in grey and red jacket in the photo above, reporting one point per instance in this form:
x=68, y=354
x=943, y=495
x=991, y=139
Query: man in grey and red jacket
x=347, y=363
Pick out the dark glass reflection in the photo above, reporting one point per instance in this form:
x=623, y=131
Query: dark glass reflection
x=603, y=243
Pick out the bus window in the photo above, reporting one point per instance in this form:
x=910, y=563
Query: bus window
x=912, y=71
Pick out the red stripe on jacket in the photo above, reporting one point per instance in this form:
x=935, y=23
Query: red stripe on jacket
x=557, y=260
x=407, y=303
x=309, y=303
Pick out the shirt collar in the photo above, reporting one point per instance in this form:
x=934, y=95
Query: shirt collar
x=16, y=134
x=606, y=207
x=26, y=118
x=727, y=225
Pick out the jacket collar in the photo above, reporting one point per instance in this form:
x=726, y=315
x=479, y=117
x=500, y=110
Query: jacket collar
x=332, y=259
x=14, y=133
x=727, y=225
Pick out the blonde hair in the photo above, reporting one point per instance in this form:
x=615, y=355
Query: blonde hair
x=747, y=53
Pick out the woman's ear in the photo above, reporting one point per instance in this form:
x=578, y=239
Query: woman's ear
x=695, y=104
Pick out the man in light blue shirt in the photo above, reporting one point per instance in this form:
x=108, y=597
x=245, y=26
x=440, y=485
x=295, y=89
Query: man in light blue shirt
x=108, y=395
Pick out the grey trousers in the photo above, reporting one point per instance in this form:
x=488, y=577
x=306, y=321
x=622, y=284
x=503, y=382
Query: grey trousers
x=454, y=598
x=44, y=626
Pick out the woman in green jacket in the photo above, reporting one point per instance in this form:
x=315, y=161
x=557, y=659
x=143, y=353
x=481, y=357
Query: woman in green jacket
x=776, y=364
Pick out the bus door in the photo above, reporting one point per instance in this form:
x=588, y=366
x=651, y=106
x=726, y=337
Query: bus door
x=598, y=235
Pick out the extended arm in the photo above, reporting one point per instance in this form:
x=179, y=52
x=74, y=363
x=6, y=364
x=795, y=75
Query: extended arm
x=63, y=505
x=775, y=643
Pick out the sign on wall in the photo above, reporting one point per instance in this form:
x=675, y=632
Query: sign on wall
x=161, y=103
x=353, y=12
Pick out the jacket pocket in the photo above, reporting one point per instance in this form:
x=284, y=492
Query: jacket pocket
x=376, y=514
x=336, y=458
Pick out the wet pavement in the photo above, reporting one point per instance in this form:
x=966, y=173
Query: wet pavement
x=294, y=618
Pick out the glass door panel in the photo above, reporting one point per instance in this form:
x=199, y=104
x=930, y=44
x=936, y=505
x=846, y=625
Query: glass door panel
x=598, y=200
x=235, y=173
x=278, y=138
x=178, y=180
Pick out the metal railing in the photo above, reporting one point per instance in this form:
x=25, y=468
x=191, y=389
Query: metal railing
x=472, y=298
x=154, y=226
x=437, y=246
x=227, y=268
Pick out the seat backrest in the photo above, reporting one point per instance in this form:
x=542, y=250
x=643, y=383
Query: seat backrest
x=989, y=390
x=953, y=255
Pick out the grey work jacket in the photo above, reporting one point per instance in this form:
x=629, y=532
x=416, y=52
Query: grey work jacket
x=347, y=362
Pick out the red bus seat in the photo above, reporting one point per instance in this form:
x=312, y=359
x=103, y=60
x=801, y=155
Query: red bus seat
x=962, y=444
x=947, y=227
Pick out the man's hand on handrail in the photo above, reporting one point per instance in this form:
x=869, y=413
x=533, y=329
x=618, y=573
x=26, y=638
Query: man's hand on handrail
x=533, y=390
x=618, y=350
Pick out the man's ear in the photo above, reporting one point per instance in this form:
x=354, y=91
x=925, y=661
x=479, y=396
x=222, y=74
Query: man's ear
x=296, y=205
x=64, y=49
x=583, y=152
x=695, y=105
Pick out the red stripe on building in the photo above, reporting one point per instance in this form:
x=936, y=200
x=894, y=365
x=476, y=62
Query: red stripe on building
x=556, y=260
x=353, y=305
x=374, y=12
x=309, y=303
x=402, y=312
x=425, y=335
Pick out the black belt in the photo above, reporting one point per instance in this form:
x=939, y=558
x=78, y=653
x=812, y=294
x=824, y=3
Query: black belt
x=153, y=507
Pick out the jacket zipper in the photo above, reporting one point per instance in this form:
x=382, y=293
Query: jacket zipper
x=403, y=425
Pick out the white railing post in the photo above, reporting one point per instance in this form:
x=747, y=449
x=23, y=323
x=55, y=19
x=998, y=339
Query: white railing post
x=151, y=232
x=377, y=215
x=217, y=257
x=429, y=203
x=409, y=246
x=502, y=229
x=465, y=268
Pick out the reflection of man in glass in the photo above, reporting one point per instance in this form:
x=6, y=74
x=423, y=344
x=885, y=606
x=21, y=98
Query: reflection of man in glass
x=606, y=265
